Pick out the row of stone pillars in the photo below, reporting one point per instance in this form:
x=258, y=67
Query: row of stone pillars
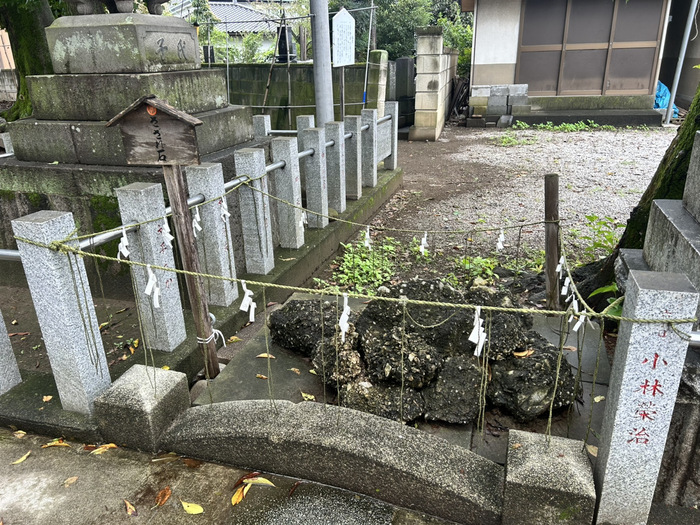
x=58, y=282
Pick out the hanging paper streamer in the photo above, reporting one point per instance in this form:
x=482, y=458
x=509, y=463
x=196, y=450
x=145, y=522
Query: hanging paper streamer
x=345, y=316
x=152, y=287
x=368, y=242
x=247, y=304
x=478, y=335
x=423, y=243
x=304, y=219
x=225, y=215
x=166, y=233
x=123, y=243
x=195, y=222
x=565, y=287
x=500, y=241
x=560, y=267
x=579, y=323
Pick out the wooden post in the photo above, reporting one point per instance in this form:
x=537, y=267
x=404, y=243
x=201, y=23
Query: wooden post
x=182, y=220
x=551, y=239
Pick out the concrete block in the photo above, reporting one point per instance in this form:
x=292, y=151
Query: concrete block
x=223, y=128
x=122, y=43
x=428, y=64
x=287, y=187
x=517, y=89
x=479, y=110
x=42, y=142
x=478, y=101
x=505, y=121
x=429, y=45
x=498, y=100
x=520, y=110
x=547, y=482
x=499, y=91
x=315, y=175
x=353, y=158
x=518, y=100
x=369, y=148
x=427, y=101
x=141, y=405
x=335, y=166
x=481, y=91
x=497, y=110
x=427, y=83
x=425, y=119
x=63, y=97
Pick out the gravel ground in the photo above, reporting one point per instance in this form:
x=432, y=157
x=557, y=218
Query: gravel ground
x=469, y=180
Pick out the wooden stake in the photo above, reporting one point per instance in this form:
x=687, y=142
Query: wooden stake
x=182, y=220
x=551, y=239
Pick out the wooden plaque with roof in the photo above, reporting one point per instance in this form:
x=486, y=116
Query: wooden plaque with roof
x=155, y=133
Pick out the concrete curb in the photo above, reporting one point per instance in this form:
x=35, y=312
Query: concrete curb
x=347, y=449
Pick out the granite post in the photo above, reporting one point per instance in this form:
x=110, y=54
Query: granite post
x=369, y=148
x=335, y=165
x=214, y=245
x=644, y=382
x=305, y=122
x=353, y=158
x=287, y=184
x=314, y=173
x=65, y=310
x=261, y=126
x=392, y=161
x=255, y=211
x=151, y=243
x=376, y=82
x=9, y=371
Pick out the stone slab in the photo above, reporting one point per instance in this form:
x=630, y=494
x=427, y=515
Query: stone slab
x=140, y=405
x=122, y=43
x=9, y=371
x=548, y=480
x=348, y=449
x=691, y=192
x=63, y=97
x=90, y=142
x=383, y=140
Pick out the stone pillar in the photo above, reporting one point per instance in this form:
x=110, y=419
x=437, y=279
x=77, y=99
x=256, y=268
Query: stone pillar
x=353, y=158
x=255, y=211
x=287, y=183
x=9, y=371
x=369, y=148
x=335, y=165
x=430, y=85
x=261, y=126
x=314, y=172
x=376, y=80
x=644, y=382
x=163, y=325
x=392, y=161
x=305, y=122
x=63, y=303
x=214, y=246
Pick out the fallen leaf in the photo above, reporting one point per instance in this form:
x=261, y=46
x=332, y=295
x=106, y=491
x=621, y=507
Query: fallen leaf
x=89, y=447
x=136, y=343
x=295, y=370
x=132, y=350
x=266, y=356
x=244, y=477
x=570, y=348
x=103, y=325
x=120, y=311
x=308, y=397
x=260, y=376
x=313, y=372
x=165, y=458
x=46, y=399
x=130, y=509
x=271, y=303
x=123, y=358
x=524, y=353
x=592, y=450
x=103, y=448
x=165, y=367
x=233, y=339
x=258, y=481
x=192, y=463
x=516, y=446
x=191, y=508
x=56, y=443
x=598, y=399
x=238, y=495
x=294, y=487
x=20, y=460
x=17, y=333
x=246, y=489
x=285, y=259
x=163, y=496
x=68, y=482
x=19, y=434
x=14, y=321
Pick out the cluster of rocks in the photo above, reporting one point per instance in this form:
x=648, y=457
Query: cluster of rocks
x=406, y=360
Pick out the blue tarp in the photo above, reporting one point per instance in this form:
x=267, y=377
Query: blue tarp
x=663, y=95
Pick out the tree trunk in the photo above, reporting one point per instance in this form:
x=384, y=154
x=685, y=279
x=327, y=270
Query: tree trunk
x=25, y=23
x=668, y=183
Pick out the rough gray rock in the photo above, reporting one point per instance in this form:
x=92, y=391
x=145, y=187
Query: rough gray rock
x=454, y=397
x=524, y=385
x=384, y=401
x=338, y=362
x=383, y=352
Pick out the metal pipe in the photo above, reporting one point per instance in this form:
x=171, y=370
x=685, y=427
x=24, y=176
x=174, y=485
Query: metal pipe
x=275, y=166
x=9, y=255
x=383, y=119
x=347, y=136
x=330, y=143
x=283, y=131
x=306, y=153
x=365, y=127
x=236, y=182
x=681, y=59
x=321, y=44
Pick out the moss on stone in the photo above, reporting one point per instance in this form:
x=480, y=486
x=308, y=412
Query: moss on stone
x=37, y=200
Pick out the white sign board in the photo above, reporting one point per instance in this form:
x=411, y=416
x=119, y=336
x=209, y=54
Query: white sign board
x=343, y=39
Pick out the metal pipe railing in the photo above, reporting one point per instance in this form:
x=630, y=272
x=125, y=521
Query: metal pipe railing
x=283, y=132
x=383, y=119
x=275, y=166
x=306, y=153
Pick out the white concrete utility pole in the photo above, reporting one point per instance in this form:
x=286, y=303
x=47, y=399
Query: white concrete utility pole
x=321, y=45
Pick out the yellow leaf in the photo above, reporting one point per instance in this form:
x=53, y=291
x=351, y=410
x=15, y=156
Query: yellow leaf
x=313, y=372
x=598, y=399
x=56, y=443
x=266, y=356
x=136, y=343
x=295, y=370
x=516, y=446
x=260, y=376
x=258, y=481
x=19, y=434
x=308, y=397
x=246, y=488
x=103, y=448
x=233, y=339
x=191, y=508
x=103, y=325
x=22, y=458
x=132, y=350
x=14, y=321
x=524, y=353
x=165, y=367
x=285, y=259
x=592, y=450
x=130, y=509
x=238, y=495
x=68, y=482
x=163, y=496
x=46, y=399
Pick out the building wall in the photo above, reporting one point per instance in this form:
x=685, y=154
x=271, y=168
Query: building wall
x=495, y=46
